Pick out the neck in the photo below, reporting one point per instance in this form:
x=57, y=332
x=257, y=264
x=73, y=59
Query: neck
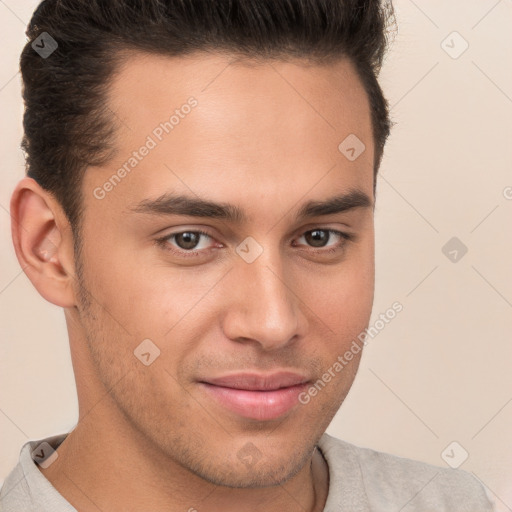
x=118, y=468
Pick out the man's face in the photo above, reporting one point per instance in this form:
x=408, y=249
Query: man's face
x=234, y=317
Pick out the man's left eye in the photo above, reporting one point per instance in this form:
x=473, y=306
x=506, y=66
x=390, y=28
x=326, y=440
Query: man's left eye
x=318, y=238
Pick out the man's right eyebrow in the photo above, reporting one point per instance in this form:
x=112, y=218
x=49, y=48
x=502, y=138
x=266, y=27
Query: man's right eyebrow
x=173, y=204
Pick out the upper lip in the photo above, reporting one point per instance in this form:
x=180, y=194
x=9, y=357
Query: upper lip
x=258, y=381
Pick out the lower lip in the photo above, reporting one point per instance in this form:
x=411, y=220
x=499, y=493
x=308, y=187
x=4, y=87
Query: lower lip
x=256, y=405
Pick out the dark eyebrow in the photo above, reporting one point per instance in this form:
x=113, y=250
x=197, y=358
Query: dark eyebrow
x=338, y=204
x=172, y=204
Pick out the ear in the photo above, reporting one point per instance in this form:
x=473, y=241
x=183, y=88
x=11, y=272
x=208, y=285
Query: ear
x=43, y=242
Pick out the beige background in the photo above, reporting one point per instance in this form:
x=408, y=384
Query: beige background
x=440, y=371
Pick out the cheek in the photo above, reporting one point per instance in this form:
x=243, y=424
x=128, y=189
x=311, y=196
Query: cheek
x=342, y=297
x=159, y=302
x=139, y=290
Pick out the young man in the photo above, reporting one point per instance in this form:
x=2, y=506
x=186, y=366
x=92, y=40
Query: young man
x=200, y=203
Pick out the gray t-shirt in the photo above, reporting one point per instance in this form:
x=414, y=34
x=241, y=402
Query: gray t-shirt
x=360, y=480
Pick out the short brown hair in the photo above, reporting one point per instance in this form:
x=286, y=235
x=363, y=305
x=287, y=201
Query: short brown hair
x=67, y=125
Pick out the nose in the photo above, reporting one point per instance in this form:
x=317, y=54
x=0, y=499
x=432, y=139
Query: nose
x=263, y=307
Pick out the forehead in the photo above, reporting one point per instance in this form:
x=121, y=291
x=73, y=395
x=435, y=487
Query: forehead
x=221, y=126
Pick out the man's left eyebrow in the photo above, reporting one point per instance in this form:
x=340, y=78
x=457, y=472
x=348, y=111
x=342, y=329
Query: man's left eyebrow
x=337, y=204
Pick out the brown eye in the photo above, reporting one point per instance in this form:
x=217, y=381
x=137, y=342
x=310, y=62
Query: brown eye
x=187, y=243
x=328, y=239
x=187, y=240
x=317, y=237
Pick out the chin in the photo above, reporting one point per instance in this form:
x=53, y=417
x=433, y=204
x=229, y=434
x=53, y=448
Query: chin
x=248, y=478
x=258, y=474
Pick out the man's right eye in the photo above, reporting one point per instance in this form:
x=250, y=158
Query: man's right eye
x=186, y=243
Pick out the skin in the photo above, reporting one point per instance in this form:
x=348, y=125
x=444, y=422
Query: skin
x=264, y=137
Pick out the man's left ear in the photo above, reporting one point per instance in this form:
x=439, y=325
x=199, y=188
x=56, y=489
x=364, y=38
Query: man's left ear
x=43, y=242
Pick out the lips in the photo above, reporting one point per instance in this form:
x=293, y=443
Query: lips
x=255, y=396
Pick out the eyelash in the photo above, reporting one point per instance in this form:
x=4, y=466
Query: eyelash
x=164, y=242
